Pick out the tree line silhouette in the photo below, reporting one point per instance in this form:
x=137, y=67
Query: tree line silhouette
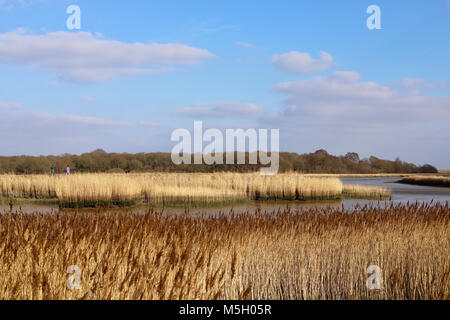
x=100, y=161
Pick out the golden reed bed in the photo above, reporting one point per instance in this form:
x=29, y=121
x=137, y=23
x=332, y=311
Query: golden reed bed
x=436, y=181
x=312, y=254
x=164, y=187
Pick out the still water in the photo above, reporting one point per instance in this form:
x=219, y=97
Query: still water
x=401, y=193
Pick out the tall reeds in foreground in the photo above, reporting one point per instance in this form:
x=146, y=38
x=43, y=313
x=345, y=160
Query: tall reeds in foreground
x=308, y=254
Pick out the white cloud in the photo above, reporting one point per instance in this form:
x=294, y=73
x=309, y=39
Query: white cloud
x=84, y=57
x=418, y=83
x=32, y=118
x=88, y=121
x=15, y=105
x=245, y=45
x=302, y=62
x=342, y=113
x=220, y=109
x=345, y=76
x=342, y=97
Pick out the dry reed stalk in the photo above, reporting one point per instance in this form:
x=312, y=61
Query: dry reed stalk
x=309, y=254
x=366, y=192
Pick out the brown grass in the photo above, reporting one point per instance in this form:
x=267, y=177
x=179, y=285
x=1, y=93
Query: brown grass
x=311, y=254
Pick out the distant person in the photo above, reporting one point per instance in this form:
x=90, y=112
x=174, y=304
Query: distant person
x=53, y=170
x=68, y=171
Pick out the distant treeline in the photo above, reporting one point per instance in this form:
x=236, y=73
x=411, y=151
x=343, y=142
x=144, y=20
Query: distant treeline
x=100, y=161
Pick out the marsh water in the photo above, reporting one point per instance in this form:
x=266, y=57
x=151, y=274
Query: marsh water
x=401, y=193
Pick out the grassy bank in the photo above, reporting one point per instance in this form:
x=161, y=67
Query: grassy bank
x=312, y=254
x=435, y=181
x=189, y=189
x=22, y=201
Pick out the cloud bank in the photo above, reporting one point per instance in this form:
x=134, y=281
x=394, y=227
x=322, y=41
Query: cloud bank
x=5, y=104
x=341, y=112
x=32, y=132
x=85, y=57
x=343, y=97
x=418, y=83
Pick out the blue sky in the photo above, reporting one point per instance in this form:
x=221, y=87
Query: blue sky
x=137, y=70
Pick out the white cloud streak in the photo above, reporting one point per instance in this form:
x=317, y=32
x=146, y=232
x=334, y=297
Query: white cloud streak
x=418, y=83
x=220, y=109
x=302, y=62
x=15, y=105
x=148, y=124
x=246, y=45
